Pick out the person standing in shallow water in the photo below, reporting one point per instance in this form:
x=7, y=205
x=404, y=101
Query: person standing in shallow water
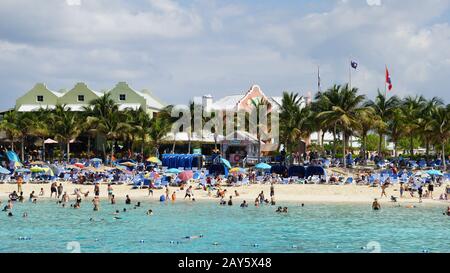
x=96, y=203
x=53, y=190
x=376, y=205
x=60, y=190
x=97, y=190
x=110, y=191
x=19, y=183
x=383, y=190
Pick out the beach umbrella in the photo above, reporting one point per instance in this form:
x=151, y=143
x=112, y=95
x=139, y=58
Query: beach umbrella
x=79, y=165
x=22, y=170
x=225, y=162
x=154, y=159
x=154, y=175
x=185, y=175
x=237, y=170
x=50, y=141
x=128, y=164
x=422, y=174
x=36, y=169
x=173, y=170
x=96, y=160
x=17, y=164
x=38, y=163
x=263, y=166
x=48, y=171
x=4, y=171
x=435, y=172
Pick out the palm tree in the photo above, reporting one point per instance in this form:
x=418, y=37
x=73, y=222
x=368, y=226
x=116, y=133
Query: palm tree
x=108, y=120
x=324, y=102
x=40, y=126
x=411, y=108
x=141, y=123
x=344, y=112
x=24, y=123
x=440, y=126
x=295, y=119
x=367, y=121
x=159, y=127
x=395, y=129
x=9, y=126
x=383, y=108
x=427, y=117
x=66, y=126
x=260, y=105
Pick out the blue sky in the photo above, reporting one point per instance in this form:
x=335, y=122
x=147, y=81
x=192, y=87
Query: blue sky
x=181, y=49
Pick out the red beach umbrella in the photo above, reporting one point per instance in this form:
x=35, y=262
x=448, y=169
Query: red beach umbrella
x=185, y=175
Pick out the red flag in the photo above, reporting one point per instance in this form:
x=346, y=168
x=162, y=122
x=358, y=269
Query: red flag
x=388, y=80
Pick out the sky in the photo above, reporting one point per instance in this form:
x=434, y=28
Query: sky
x=182, y=49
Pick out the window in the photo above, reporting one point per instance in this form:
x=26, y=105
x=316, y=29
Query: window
x=39, y=98
x=122, y=97
x=80, y=97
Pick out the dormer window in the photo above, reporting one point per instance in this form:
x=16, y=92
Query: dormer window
x=40, y=98
x=122, y=97
x=80, y=97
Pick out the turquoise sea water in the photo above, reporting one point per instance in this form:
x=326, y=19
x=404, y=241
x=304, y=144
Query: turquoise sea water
x=313, y=228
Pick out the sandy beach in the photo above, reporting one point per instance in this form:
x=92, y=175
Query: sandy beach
x=288, y=193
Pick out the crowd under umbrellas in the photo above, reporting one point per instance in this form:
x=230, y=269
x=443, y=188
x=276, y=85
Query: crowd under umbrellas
x=152, y=175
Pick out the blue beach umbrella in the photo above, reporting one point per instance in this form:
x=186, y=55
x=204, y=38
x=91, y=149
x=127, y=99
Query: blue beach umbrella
x=4, y=171
x=225, y=162
x=173, y=170
x=96, y=160
x=23, y=170
x=435, y=172
x=263, y=166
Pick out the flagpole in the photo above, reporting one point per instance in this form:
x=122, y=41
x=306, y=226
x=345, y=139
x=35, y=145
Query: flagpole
x=385, y=81
x=350, y=75
x=318, y=78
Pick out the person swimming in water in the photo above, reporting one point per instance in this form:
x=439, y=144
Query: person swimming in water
x=150, y=212
x=279, y=209
x=448, y=211
x=128, y=200
x=244, y=204
x=230, y=202
x=96, y=203
x=376, y=205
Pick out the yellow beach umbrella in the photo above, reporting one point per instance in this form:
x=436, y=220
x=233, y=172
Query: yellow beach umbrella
x=154, y=159
x=36, y=169
x=235, y=170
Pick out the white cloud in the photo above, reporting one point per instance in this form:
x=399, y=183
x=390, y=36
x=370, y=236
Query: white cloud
x=202, y=46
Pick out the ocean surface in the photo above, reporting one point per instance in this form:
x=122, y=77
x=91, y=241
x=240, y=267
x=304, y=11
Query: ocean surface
x=338, y=228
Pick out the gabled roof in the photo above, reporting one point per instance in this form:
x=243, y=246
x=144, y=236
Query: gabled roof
x=83, y=86
x=151, y=101
x=227, y=103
